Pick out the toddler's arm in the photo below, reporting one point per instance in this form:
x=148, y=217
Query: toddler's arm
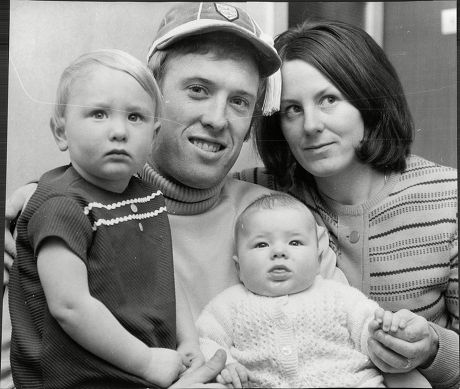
x=187, y=335
x=234, y=374
x=89, y=322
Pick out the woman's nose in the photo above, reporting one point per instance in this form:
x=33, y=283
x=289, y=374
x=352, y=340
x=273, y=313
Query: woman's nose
x=312, y=121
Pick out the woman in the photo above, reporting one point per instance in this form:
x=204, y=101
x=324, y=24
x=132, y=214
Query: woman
x=341, y=143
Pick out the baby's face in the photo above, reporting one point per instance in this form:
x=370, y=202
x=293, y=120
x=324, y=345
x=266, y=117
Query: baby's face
x=109, y=127
x=277, y=251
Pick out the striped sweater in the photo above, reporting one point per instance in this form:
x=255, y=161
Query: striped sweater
x=399, y=248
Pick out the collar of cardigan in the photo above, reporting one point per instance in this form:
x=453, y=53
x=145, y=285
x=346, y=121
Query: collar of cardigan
x=180, y=199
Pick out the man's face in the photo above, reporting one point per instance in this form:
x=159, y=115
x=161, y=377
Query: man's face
x=209, y=104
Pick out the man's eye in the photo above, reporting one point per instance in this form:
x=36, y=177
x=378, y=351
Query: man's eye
x=240, y=102
x=197, y=89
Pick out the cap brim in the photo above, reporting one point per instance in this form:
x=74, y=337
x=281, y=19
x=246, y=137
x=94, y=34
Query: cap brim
x=269, y=62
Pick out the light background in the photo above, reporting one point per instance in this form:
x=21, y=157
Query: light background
x=45, y=36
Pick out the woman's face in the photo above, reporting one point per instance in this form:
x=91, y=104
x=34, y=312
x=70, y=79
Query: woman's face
x=321, y=127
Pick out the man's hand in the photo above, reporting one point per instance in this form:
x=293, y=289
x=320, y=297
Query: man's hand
x=200, y=377
x=415, y=345
x=13, y=206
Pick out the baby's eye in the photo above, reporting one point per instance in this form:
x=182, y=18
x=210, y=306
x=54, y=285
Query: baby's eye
x=261, y=245
x=295, y=243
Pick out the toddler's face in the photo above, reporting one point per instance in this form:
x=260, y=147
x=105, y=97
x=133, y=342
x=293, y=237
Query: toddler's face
x=109, y=127
x=277, y=251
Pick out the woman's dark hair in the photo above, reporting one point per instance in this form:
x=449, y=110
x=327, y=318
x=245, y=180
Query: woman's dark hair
x=360, y=70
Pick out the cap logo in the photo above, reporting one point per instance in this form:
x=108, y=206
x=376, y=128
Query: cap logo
x=227, y=11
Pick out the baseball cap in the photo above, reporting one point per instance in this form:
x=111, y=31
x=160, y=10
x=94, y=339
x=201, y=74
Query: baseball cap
x=187, y=19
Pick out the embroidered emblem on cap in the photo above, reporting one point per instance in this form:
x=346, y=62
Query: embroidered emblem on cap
x=227, y=11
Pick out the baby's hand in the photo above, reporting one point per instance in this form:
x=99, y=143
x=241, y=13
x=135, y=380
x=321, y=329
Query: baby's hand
x=164, y=366
x=234, y=374
x=387, y=321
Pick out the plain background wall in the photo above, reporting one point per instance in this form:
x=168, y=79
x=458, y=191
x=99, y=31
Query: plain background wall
x=46, y=36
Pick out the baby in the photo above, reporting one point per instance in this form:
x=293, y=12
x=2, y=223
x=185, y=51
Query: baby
x=286, y=326
x=92, y=296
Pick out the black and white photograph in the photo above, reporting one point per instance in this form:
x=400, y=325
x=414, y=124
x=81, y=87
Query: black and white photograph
x=230, y=195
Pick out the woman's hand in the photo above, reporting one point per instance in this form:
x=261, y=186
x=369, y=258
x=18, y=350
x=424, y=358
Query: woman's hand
x=397, y=352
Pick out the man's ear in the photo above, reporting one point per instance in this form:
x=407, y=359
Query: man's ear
x=59, y=134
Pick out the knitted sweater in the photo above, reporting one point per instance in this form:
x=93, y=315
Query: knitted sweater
x=315, y=338
x=400, y=248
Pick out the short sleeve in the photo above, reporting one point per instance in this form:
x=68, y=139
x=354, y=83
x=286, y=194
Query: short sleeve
x=63, y=218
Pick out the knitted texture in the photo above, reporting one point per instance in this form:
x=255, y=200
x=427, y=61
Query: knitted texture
x=400, y=248
x=130, y=270
x=315, y=338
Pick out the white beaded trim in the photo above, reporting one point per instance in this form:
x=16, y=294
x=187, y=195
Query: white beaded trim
x=121, y=203
x=111, y=222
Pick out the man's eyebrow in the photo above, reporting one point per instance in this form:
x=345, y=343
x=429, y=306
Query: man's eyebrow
x=208, y=82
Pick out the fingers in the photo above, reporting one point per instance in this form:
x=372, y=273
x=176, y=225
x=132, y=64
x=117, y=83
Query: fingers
x=204, y=373
x=387, y=319
x=386, y=359
x=17, y=200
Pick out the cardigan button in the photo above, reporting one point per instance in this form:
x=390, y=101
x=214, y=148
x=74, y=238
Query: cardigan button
x=354, y=237
x=141, y=227
x=286, y=350
x=133, y=208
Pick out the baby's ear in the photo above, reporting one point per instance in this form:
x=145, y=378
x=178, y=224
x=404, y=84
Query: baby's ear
x=59, y=134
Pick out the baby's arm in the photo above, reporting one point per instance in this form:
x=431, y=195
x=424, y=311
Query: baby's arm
x=187, y=335
x=90, y=323
x=234, y=374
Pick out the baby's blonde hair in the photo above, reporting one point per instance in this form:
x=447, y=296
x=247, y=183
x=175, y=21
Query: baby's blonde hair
x=111, y=58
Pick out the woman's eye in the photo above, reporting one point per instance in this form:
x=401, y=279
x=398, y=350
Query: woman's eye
x=292, y=111
x=98, y=114
x=328, y=101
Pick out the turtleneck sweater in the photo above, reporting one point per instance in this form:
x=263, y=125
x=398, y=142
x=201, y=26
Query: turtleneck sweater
x=180, y=199
x=202, y=224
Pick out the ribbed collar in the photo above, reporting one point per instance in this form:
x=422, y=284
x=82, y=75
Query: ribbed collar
x=180, y=199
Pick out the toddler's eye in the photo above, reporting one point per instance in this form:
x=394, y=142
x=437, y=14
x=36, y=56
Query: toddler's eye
x=99, y=114
x=134, y=117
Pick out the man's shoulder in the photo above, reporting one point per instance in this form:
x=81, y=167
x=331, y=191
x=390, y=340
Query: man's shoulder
x=243, y=192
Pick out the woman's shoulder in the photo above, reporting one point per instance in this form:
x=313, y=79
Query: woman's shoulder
x=420, y=171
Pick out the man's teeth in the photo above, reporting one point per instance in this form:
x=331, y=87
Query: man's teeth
x=212, y=147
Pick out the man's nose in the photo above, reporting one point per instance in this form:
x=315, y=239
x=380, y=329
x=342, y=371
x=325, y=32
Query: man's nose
x=215, y=115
